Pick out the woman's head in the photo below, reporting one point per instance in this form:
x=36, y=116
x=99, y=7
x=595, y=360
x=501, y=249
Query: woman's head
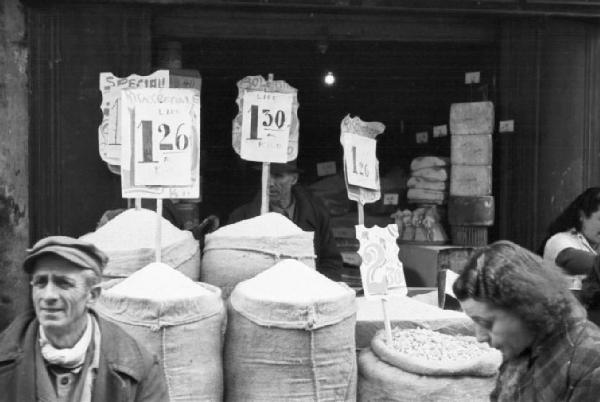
x=513, y=297
x=583, y=214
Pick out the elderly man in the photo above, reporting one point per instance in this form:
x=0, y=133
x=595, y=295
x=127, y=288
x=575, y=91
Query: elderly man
x=299, y=205
x=65, y=352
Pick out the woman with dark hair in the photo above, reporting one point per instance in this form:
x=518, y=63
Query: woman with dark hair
x=523, y=307
x=573, y=242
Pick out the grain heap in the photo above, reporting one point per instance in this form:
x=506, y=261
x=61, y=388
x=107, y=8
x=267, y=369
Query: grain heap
x=240, y=251
x=290, y=335
x=129, y=241
x=178, y=320
x=427, y=365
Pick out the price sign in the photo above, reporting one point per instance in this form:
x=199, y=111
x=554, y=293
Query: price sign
x=381, y=271
x=160, y=129
x=266, y=122
x=390, y=199
x=109, y=136
x=361, y=161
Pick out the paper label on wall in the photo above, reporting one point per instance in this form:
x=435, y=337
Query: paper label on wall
x=422, y=137
x=263, y=132
x=390, y=199
x=440, y=131
x=361, y=161
x=266, y=123
x=381, y=271
x=326, y=168
x=160, y=153
x=109, y=136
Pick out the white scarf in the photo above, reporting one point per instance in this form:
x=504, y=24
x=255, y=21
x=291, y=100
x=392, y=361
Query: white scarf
x=70, y=358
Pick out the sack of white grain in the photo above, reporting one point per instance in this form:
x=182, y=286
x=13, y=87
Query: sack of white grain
x=425, y=365
x=241, y=250
x=290, y=336
x=180, y=321
x=129, y=241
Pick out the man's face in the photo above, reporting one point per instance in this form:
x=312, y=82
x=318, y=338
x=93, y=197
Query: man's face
x=60, y=294
x=280, y=186
x=500, y=328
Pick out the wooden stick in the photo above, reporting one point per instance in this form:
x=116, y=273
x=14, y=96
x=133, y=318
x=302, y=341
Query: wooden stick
x=138, y=204
x=159, y=208
x=386, y=321
x=361, y=213
x=264, y=203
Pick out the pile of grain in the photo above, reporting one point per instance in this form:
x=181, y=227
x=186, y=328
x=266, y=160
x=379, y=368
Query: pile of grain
x=271, y=224
x=134, y=229
x=306, y=287
x=432, y=345
x=158, y=281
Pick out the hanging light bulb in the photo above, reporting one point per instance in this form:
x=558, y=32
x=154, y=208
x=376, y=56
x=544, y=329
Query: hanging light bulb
x=329, y=79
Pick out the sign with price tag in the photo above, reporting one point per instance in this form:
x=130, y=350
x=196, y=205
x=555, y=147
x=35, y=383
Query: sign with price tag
x=160, y=152
x=360, y=161
x=266, y=123
x=350, y=128
x=109, y=137
x=381, y=271
x=266, y=127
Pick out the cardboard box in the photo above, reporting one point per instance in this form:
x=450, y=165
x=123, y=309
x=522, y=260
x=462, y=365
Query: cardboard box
x=472, y=118
x=473, y=149
x=422, y=263
x=470, y=181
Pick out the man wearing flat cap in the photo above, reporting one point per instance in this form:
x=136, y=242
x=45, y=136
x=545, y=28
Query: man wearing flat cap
x=295, y=202
x=63, y=351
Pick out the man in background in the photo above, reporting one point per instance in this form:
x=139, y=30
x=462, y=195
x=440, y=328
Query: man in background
x=293, y=201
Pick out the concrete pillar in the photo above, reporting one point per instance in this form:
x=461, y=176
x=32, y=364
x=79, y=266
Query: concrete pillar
x=14, y=181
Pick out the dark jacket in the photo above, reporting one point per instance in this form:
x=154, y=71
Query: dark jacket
x=310, y=215
x=126, y=372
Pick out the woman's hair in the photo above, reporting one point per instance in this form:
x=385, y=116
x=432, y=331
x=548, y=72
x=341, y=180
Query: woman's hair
x=509, y=277
x=587, y=202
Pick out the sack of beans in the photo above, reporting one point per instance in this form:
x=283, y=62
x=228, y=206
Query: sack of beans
x=427, y=365
x=129, y=240
x=241, y=250
x=290, y=336
x=181, y=321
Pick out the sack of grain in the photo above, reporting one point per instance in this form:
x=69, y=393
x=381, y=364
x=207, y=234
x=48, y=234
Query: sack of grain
x=180, y=321
x=290, y=336
x=129, y=241
x=380, y=381
x=427, y=352
x=239, y=251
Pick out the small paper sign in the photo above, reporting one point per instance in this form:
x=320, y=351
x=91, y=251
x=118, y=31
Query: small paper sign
x=360, y=161
x=506, y=126
x=266, y=122
x=160, y=153
x=390, y=199
x=472, y=77
x=381, y=271
x=326, y=168
x=440, y=131
x=109, y=137
x=422, y=137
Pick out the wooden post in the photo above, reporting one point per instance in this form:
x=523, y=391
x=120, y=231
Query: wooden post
x=386, y=321
x=158, y=242
x=138, y=203
x=361, y=213
x=264, y=204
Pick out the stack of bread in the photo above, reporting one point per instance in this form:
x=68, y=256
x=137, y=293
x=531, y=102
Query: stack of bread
x=428, y=183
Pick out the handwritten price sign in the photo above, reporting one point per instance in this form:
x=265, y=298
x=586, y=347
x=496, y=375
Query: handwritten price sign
x=109, y=136
x=361, y=161
x=160, y=132
x=381, y=271
x=266, y=123
x=266, y=127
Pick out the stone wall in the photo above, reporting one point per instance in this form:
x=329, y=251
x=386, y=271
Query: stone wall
x=14, y=122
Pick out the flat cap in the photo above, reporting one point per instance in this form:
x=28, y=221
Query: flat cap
x=81, y=253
